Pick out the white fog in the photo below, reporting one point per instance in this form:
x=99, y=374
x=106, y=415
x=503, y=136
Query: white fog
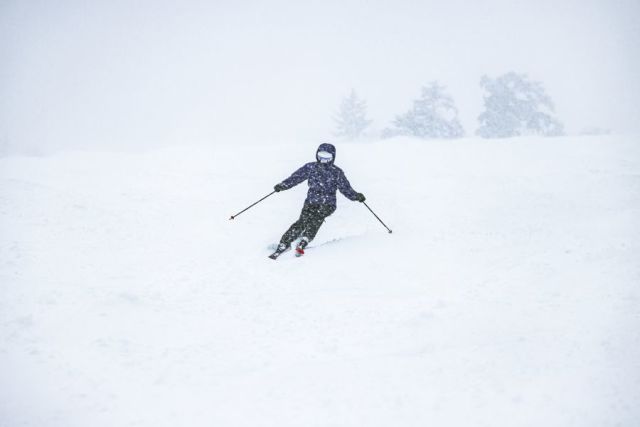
x=121, y=74
x=332, y=213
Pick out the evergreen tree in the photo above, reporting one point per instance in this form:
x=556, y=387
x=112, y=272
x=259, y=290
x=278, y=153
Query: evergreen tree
x=515, y=105
x=351, y=120
x=434, y=115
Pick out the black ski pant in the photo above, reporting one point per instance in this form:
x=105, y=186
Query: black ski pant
x=307, y=226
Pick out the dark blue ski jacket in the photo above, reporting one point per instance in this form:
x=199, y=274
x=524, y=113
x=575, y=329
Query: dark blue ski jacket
x=324, y=179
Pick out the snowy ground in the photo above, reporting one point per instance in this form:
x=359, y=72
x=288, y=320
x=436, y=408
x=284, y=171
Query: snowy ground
x=508, y=294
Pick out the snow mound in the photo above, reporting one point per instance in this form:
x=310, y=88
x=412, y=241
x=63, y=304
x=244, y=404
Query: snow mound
x=506, y=296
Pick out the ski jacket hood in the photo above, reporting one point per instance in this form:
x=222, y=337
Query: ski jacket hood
x=329, y=148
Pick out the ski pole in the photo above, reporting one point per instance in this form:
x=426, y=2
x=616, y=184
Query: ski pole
x=374, y=214
x=234, y=216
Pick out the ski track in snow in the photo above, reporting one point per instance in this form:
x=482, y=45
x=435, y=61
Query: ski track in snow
x=507, y=294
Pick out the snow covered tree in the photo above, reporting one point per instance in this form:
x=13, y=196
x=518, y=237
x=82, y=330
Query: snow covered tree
x=515, y=105
x=434, y=115
x=351, y=120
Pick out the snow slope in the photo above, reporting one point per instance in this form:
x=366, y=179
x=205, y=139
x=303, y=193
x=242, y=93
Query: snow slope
x=506, y=296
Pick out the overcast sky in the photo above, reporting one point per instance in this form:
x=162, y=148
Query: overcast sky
x=101, y=73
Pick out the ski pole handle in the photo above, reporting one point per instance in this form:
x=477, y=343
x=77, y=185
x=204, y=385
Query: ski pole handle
x=248, y=207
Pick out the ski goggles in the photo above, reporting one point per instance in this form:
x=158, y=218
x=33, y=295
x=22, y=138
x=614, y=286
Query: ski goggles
x=324, y=156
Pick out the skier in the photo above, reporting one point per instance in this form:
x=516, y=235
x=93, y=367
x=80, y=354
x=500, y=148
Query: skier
x=324, y=178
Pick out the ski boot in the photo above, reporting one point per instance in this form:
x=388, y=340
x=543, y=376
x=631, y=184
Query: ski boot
x=282, y=248
x=300, y=247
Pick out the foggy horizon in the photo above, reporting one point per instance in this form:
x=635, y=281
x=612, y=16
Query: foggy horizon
x=180, y=246
x=116, y=74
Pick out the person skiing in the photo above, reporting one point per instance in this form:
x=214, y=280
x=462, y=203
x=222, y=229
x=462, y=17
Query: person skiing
x=324, y=179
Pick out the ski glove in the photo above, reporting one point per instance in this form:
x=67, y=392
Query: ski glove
x=360, y=197
x=279, y=187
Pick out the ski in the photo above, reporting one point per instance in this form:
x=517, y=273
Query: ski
x=300, y=251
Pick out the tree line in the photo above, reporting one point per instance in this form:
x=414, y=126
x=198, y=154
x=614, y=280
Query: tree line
x=514, y=105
